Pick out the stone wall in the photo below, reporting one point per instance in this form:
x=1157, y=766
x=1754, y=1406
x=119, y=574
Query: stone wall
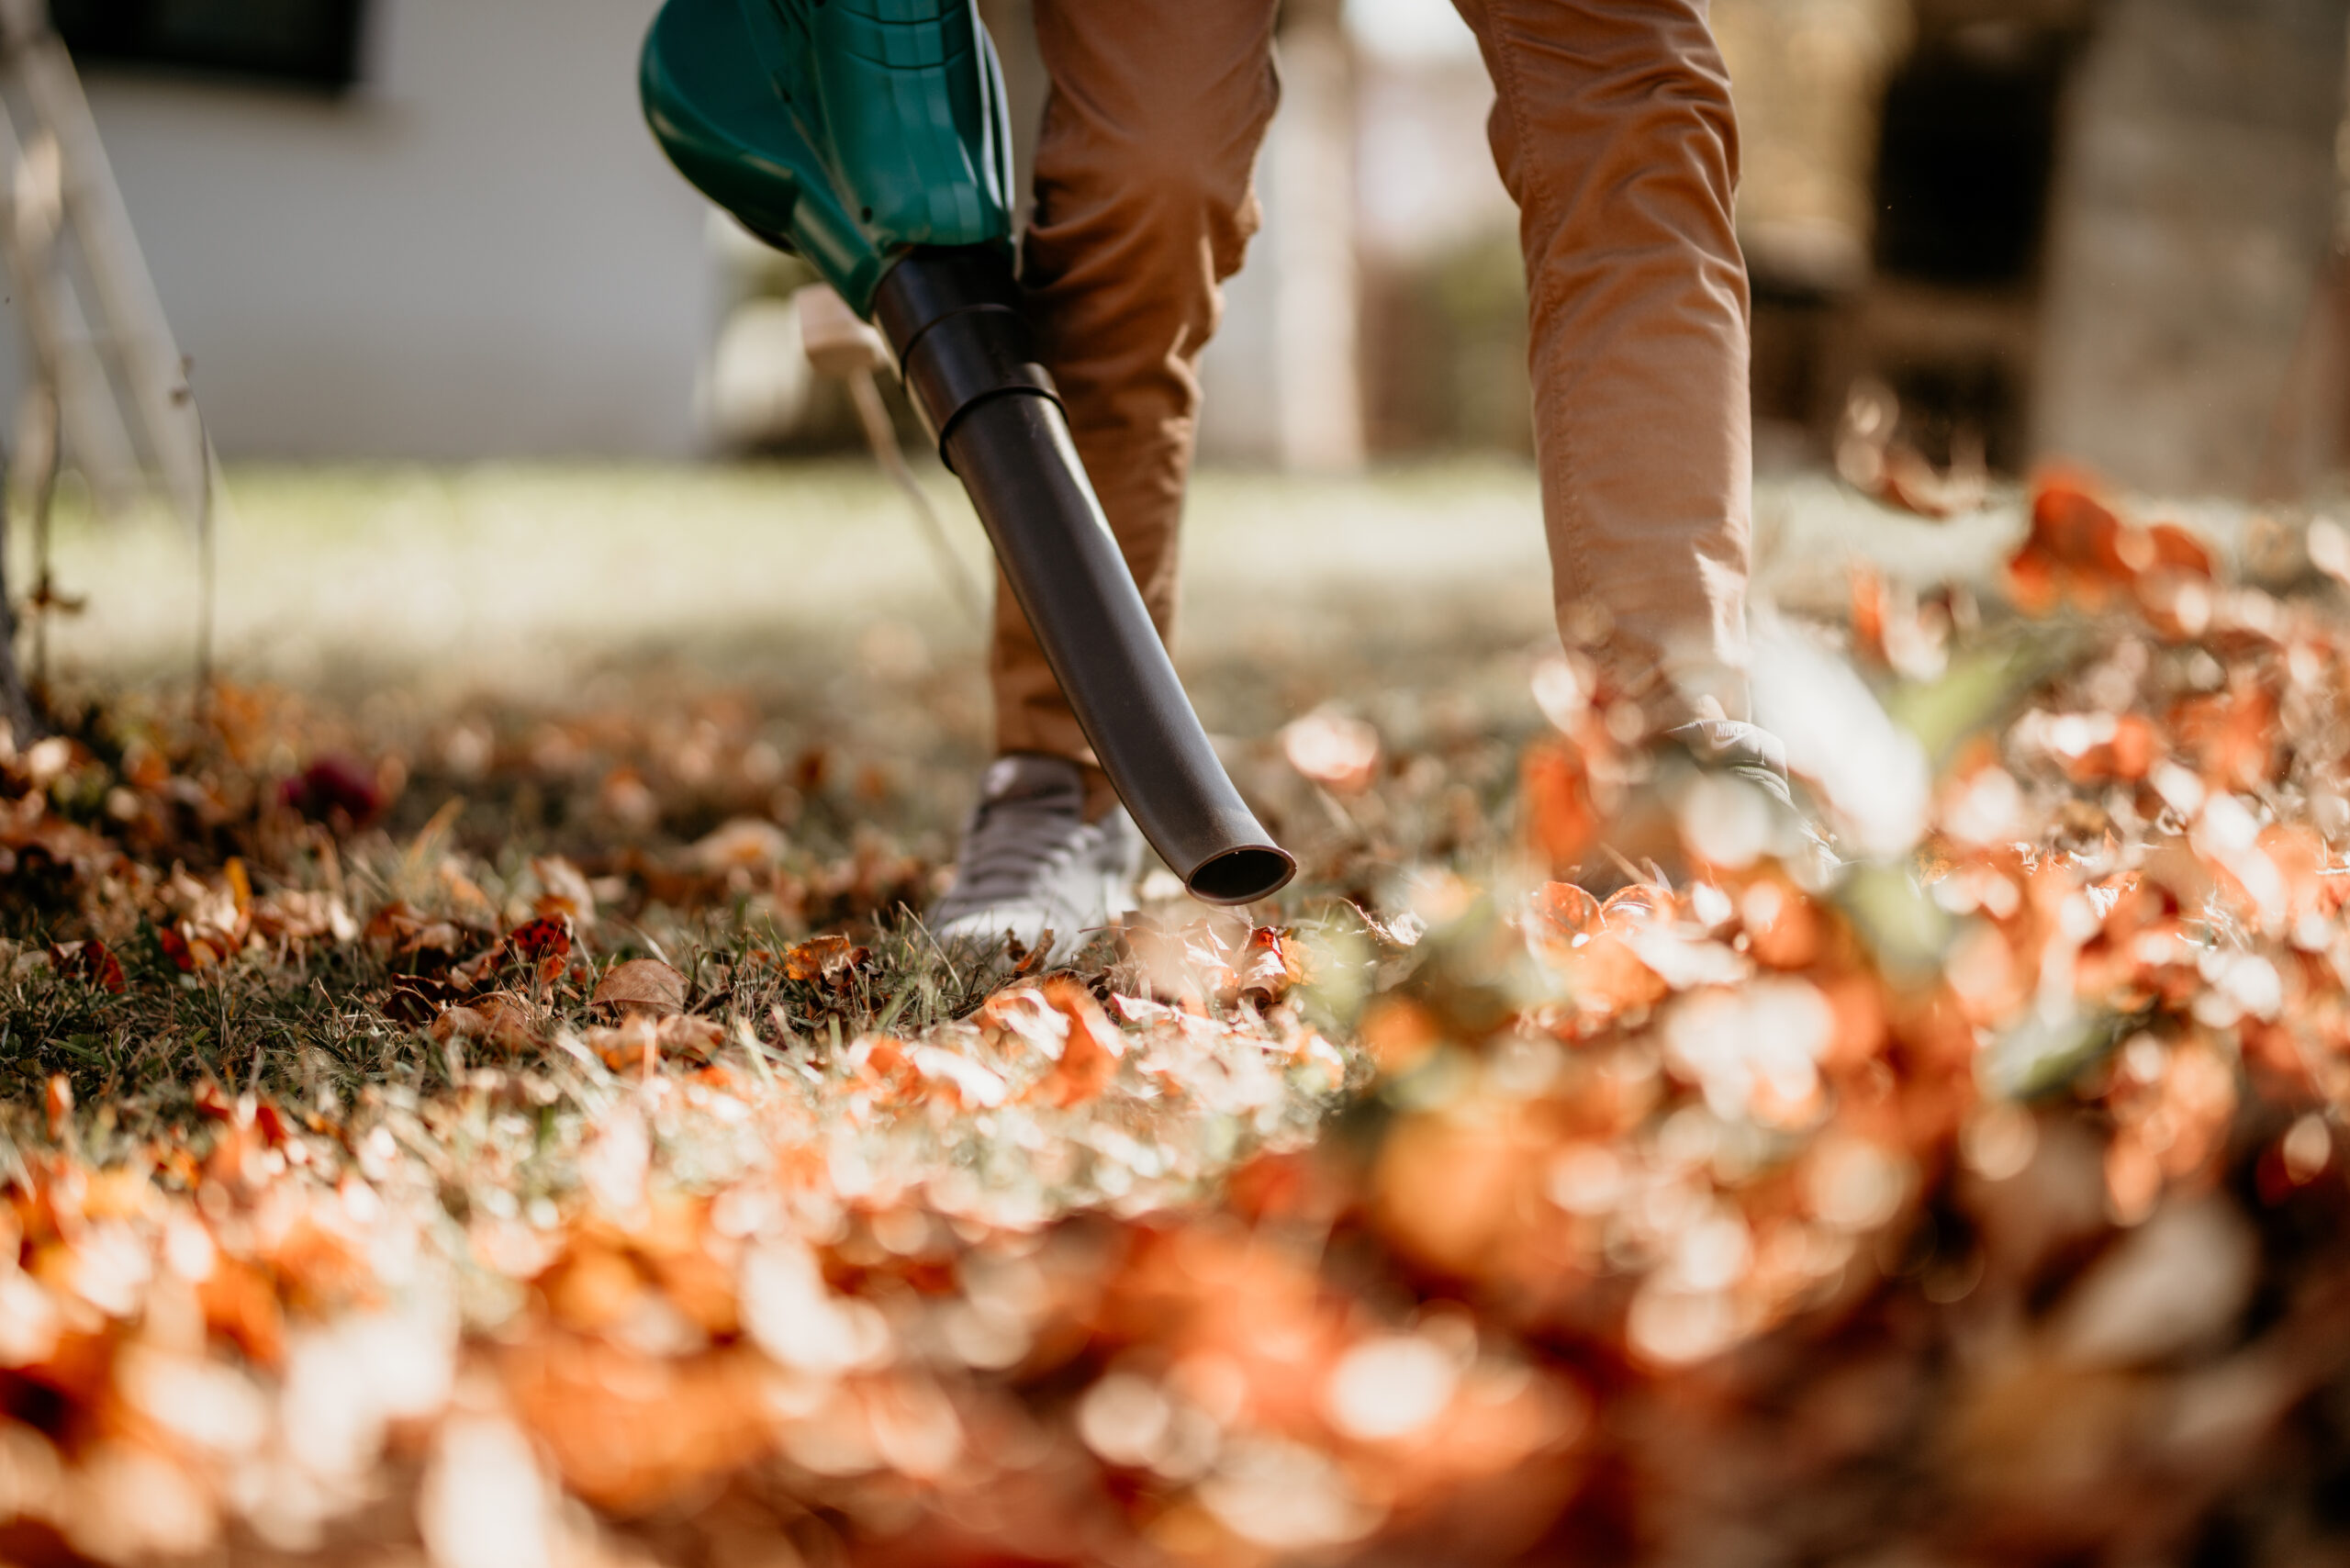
x=2193, y=220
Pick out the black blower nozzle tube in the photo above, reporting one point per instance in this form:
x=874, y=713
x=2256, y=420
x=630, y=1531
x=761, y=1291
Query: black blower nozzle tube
x=953, y=315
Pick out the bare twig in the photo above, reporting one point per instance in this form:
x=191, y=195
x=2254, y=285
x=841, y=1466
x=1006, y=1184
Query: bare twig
x=208, y=552
x=45, y=598
x=882, y=437
x=16, y=703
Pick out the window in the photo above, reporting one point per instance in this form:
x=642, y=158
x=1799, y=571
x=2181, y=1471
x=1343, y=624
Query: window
x=309, y=43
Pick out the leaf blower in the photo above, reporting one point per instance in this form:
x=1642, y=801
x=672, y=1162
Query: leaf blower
x=870, y=137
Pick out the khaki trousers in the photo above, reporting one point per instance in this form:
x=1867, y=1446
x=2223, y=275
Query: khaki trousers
x=1613, y=131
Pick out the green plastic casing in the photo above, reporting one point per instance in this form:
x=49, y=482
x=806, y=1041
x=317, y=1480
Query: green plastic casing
x=847, y=131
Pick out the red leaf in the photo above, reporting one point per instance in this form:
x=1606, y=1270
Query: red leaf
x=549, y=934
x=544, y=944
x=92, y=961
x=334, y=785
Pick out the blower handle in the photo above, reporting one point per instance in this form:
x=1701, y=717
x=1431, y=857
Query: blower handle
x=953, y=315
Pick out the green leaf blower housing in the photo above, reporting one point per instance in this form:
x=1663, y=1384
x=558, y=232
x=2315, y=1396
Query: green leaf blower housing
x=870, y=137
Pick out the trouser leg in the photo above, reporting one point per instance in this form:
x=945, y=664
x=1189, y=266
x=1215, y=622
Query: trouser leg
x=1144, y=207
x=1613, y=129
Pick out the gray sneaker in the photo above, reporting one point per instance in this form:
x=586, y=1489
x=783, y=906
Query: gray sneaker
x=1032, y=864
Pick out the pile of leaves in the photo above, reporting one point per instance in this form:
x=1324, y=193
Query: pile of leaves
x=1951, y=1172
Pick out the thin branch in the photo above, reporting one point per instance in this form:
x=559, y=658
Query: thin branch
x=15, y=702
x=882, y=437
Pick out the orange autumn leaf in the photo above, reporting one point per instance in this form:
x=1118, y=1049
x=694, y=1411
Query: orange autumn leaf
x=1268, y=966
x=829, y=960
x=2232, y=734
x=630, y=1432
x=1868, y=613
x=1399, y=1034
x=2127, y=753
x=888, y=1071
x=2169, y=546
x=1784, y=927
x=1554, y=786
x=2073, y=527
x=240, y=1307
x=1566, y=911
x=1606, y=978
x=1091, y=1046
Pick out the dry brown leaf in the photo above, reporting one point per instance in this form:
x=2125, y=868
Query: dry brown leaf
x=750, y=844
x=567, y=890
x=500, y=1018
x=1269, y=965
x=831, y=961
x=641, y=985
x=1333, y=750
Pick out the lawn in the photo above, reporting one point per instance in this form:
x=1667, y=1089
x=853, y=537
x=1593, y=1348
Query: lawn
x=481, y=1088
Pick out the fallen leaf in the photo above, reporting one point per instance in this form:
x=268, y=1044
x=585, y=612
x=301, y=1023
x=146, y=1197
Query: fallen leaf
x=1269, y=965
x=544, y=944
x=641, y=985
x=831, y=961
x=750, y=844
x=92, y=962
x=1336, y=751
x=1562, y=820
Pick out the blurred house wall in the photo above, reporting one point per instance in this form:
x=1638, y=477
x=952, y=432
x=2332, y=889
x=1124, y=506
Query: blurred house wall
x=1281, y=380
x=2195, y=221
x=478, y=253
x=1282, y=376
x=1808, y=76
x=1442, y=285
x=2102, y=231
x=481, y=252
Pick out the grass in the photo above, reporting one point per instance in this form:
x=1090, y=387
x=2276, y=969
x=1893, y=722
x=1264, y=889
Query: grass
x=1430, y=1212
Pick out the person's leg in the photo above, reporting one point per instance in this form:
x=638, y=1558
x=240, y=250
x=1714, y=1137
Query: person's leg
x=1613, y=129
x=1144, y=205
